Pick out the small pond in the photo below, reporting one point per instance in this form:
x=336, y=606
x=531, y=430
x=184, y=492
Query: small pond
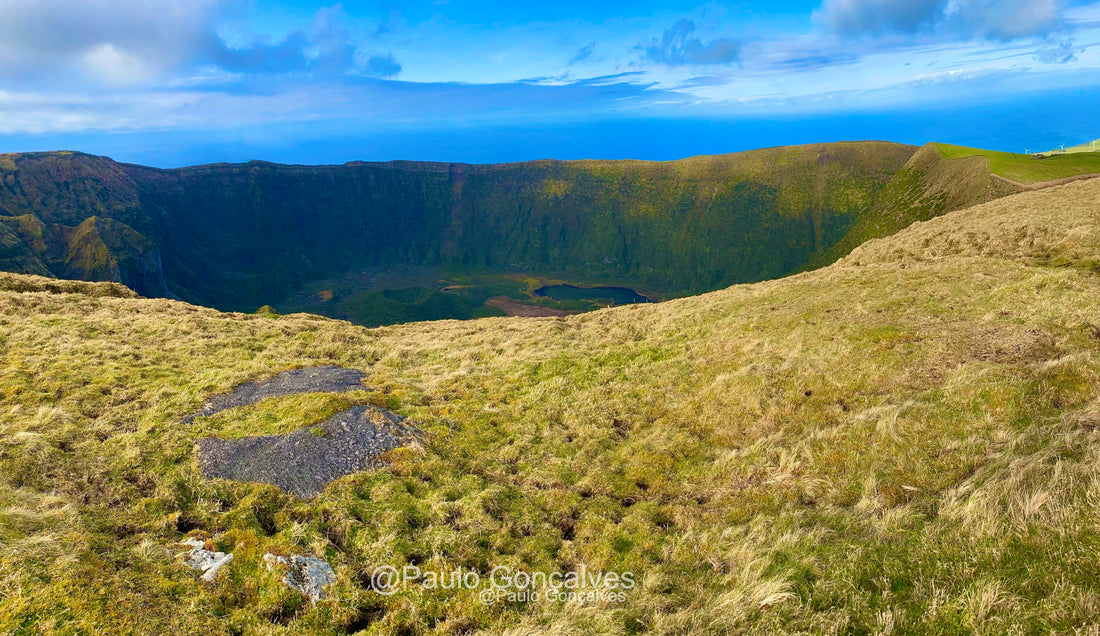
x=617, y=295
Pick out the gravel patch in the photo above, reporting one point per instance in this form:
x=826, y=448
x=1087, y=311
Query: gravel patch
x=322, y=379
x=302, y=463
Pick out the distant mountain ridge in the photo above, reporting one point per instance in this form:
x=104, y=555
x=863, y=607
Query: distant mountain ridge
x=237, y=236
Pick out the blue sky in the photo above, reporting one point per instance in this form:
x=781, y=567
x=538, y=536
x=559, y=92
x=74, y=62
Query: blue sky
x=176, y=82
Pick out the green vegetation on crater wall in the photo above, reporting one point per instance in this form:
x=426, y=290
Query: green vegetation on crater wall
x=98, y=249
x=67, y=188
x=17, y=254
x=240, y=236
x=928, y=185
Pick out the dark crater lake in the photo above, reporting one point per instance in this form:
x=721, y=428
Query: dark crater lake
x=617, y=295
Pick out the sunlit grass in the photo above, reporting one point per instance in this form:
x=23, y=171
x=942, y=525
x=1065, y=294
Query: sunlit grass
x=1029, y=168
x=904, y=441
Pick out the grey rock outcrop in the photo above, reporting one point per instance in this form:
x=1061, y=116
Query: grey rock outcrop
x=306, y=575
x=302, y=463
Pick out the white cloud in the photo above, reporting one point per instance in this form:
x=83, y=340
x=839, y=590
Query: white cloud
x=857, y=17
x=115, y=66
x=74, y=65
x=50, y=38
x=677, y=47
x=989, y=19
x=1006, y=19
x=125, y=42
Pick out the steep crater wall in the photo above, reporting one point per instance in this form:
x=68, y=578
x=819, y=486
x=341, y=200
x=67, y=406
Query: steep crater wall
x=238, y=236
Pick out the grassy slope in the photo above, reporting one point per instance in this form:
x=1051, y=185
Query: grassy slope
x=1029, y=169
x=1088, y=146
x=927, y=186
x=941, y=178
x=907, y=439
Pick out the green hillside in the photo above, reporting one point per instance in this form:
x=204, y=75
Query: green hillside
x=905, y=441
x=98, y=249
x=1089, y=146
x=1029, y=169
x=928, y=185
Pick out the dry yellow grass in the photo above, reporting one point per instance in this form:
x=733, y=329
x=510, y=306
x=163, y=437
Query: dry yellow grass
x=1055, y=225
x=904, y=442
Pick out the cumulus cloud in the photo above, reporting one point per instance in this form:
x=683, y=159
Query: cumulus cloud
x=114, y=65
x=989, y=19
x=324, y=48
x=858, y=17
x=134, y=41
x=677, y=47
x=120, y=40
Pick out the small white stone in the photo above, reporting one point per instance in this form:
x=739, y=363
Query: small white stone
x=272, y=561
x=206, y=561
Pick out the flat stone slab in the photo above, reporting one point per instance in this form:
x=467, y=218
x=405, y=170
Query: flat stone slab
x=302, y=463
x=321, y=379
